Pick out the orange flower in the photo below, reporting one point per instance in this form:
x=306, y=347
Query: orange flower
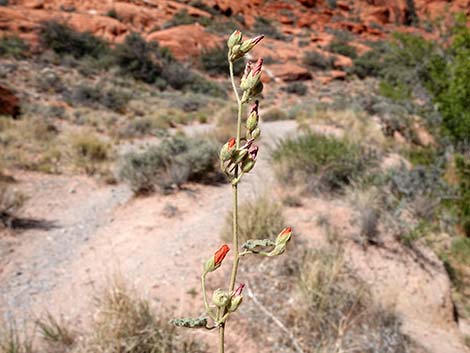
x=285, y=231
x=220, y=255
x=231, y=142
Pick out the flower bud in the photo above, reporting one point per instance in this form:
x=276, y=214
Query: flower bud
x=220, y=298
x=236, y=53
x=227, y=150
x=257, y=89
x=236, y=299
x=214, y=262
x=252, y=121
x=252, y=76
x=255, y=134
x=240, y=155
x=234, y=39
x=248, y=165
x=281, y=242
x=248, y=44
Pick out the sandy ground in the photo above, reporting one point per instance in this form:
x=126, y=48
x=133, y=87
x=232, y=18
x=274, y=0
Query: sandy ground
x=101, y=231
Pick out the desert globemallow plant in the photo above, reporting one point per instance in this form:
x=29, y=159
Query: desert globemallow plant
x=237, y=157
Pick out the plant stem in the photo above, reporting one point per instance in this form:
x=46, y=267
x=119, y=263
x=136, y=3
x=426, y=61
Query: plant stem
x=236, y=258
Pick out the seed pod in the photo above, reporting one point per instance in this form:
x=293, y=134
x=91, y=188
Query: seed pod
x=234, y=39
x=220, y=298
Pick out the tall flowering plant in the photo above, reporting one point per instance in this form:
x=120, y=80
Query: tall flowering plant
x=237, y=158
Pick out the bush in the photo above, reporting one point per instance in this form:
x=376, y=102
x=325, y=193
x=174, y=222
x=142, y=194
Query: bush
x=139, y=58
x=89, y=152
x=182, y=17
x=298, y=88
x=317, y=60
x=260, y=218
x=320, y=162
x=368, y=64
x=463, y=171
x=267, y=27
x=342, y=48
x=274, y=114
x=174, y=162
x=214, y=62
x=11, y=203
x=12, y=46
x=4, y=2
x=125, y=322
x=94, y=96
x=65, y=41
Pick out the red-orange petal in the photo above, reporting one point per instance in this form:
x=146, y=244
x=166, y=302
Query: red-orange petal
x=231, y=142
x=220, y=254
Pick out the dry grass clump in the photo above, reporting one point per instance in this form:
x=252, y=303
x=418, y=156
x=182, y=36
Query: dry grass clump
x=123, y=323
x=54, y=332
x=126, y=323
x=11, y=203
x=329, y=309
x=13, y=340
x=260, y=218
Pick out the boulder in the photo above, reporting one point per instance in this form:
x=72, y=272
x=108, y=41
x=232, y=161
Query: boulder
x=9, y=103
x=289, y=72
x=186, y=41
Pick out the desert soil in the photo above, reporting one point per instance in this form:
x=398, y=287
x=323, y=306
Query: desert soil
x=158, y=244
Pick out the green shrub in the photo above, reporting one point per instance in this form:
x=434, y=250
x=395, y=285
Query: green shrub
x=298, y=88
x=460, y=250
x=174, y=162
x=214, y=62
x=343, y=48
x=317, y=60
x=113, y=14
x=260, y=218
x=182, y=17
x=319, y=162
x=94, y=96
x=274, y=114
x=12, y=46
x=139, y=58
x=368, y=65
x=65, y=41
x=268, y=28
x=463, y=171
x=202, y=85
x=4, y=2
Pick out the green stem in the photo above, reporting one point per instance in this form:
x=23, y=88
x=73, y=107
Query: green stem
x=236, y=258
x=204, y=295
